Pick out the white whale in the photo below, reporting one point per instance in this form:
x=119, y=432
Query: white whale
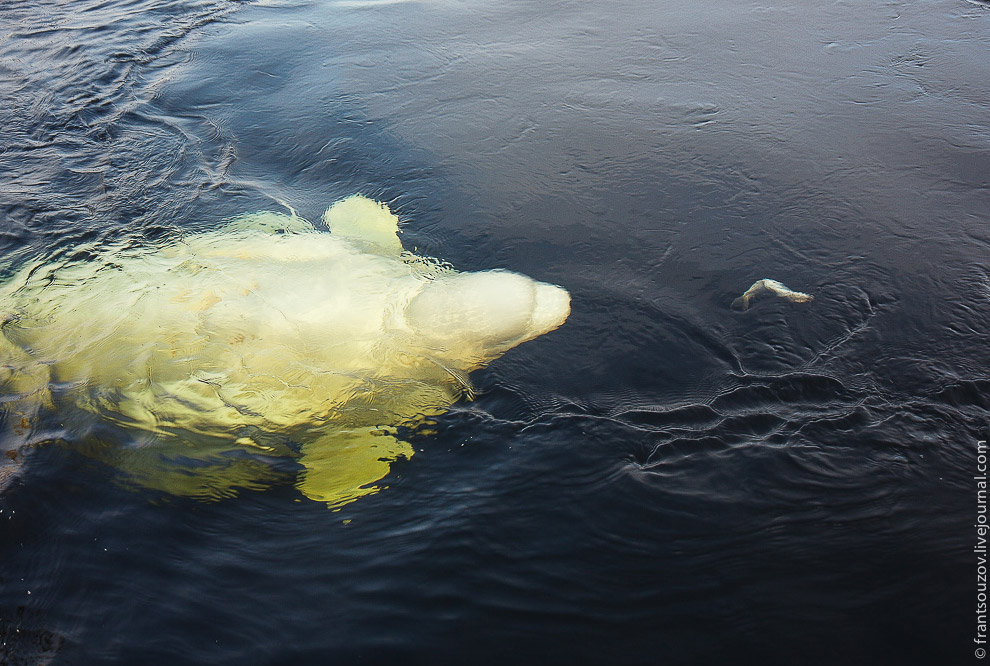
x=265, y=339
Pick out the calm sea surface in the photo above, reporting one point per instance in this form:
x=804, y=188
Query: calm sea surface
x=663, y=480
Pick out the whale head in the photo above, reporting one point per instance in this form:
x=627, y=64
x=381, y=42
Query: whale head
x=469, y=319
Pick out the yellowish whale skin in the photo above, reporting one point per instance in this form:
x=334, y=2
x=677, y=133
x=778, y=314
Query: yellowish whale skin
x=265, y=339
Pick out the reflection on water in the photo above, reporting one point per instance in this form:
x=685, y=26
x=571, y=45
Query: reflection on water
x=663, y=477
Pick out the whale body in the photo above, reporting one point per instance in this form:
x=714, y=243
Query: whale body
x=267, y=340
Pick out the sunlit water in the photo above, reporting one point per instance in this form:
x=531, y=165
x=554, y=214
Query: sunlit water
x=662, y=479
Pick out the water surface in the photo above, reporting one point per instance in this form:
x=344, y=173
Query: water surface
x=661, y=479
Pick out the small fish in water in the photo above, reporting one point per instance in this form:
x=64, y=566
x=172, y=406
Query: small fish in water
x=772, y=286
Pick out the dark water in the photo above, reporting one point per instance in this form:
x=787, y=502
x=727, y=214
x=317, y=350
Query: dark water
x=663, y=479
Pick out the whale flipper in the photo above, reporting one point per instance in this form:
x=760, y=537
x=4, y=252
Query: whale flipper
x=366, y=222
x=343, y=466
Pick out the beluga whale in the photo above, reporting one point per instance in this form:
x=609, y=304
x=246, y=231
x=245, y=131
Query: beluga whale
x=264, y=350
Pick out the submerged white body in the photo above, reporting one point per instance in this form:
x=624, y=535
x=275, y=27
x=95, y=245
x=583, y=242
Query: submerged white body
x=267, y=326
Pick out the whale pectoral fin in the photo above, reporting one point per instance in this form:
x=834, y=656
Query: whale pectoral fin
x=343, y=466
x=367, y=222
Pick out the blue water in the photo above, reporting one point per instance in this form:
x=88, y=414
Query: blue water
x=661, y=480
